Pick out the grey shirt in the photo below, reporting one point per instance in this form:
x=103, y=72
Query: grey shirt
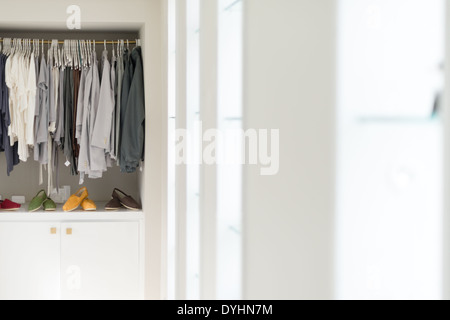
x=120, y=69
x=97, y=155
x=59, y=134
x=101, y=135
x=112, y=143
x=80, y=109
x=41, y=141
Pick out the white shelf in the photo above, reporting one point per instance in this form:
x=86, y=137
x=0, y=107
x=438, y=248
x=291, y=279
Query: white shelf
x=79, y=215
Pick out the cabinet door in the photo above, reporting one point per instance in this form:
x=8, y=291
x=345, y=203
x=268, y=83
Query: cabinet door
x=29, y=261
x=100, y=260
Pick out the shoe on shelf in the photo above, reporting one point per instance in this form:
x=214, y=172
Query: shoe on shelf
x=75, y=200
x=8, y=205
x=126, y=200
x=88, y=205
x=49, y=205
x=113, y=205
x=37, y=202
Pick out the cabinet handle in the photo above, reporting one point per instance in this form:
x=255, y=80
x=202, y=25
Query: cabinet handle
x=52, y=230
x=69, y=231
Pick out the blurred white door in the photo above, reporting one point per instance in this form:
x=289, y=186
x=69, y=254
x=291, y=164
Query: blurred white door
x=390, y=149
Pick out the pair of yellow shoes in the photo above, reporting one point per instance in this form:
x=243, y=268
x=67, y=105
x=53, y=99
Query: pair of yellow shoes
x=80, y=199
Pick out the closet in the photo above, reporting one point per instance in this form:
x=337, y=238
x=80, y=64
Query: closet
x=78, y=255
x=29, y=171
x=110, y=20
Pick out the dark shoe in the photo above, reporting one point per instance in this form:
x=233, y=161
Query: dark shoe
x=113, y=205
x=126, y=200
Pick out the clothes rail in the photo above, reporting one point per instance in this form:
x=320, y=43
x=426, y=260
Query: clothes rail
x=95, y=42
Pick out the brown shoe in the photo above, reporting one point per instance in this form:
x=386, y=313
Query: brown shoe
x=126, y=200
x=113, y=205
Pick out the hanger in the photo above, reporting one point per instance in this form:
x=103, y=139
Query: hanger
x=75, y=54
x=90, y=52
x=28, y=48
x=34, y=47
x=113, y=51
x=83, y=53
x=86, y=54
x=79, y=59
x=53, y=52
x=65, y=53
x=59, y=57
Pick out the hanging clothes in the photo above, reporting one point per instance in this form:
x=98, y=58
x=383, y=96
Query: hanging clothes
x=41, y=138
x=133, y=128
x=111, y=153
x=16, y=78
x=63, y=101
x=91, y=158
x=76, y=89
x=97, y=155
x=126, y=84
x=120, y=69
x=68, y=125
x=11, y=152
x=101, y=134
x=83, y=127
x=60, y=120
x=31, y=97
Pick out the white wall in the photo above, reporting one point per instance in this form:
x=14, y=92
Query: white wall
x=290, y=85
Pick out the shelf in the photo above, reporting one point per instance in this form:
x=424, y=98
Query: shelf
x=79, y=215
x=397, y=120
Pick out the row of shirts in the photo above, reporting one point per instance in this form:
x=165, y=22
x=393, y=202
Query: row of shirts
x=95, y=116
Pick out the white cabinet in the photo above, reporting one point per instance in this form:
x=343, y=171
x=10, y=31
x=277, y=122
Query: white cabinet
x=70, y=260
x=100, y=260
x=29, y=261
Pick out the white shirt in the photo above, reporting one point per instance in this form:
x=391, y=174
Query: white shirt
x=31, y=96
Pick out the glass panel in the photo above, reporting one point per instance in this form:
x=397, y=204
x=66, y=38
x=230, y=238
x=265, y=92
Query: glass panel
x=193, y=150
x=229, y=151
x=171, y=192
x=390, y=168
